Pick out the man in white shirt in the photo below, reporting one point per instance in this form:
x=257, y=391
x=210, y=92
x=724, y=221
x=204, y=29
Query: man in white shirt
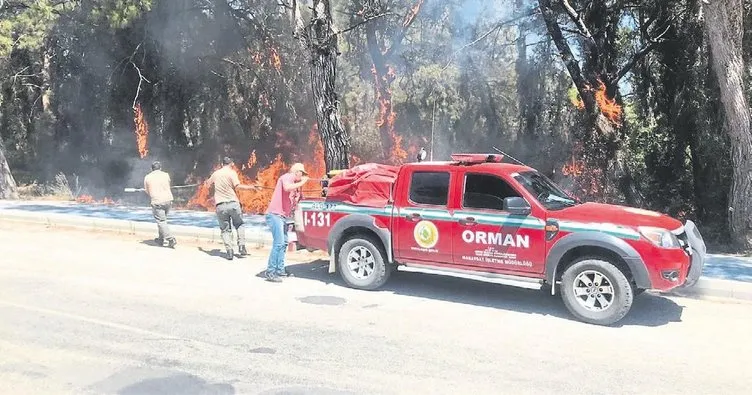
x=157, y=186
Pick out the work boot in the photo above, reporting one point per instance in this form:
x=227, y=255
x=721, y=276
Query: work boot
x=171, y=243
x=242, y=251
x=230, y=254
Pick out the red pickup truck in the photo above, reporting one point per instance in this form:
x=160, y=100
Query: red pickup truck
x=480, y=217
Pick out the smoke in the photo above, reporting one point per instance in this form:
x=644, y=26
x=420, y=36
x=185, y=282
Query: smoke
x=201, y=72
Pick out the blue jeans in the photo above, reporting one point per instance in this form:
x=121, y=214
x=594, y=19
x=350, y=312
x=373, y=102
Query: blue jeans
x=276, y=264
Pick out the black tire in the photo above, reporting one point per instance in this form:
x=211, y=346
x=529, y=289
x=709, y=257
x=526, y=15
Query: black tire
x=380, y=272
x=621, y=296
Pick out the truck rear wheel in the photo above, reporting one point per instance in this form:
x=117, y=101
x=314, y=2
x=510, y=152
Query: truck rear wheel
x=596, y=291
x=362, y=264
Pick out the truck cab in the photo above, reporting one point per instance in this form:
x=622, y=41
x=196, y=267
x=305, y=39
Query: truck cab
x=477, y=216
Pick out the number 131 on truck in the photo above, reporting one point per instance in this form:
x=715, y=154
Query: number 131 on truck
x=477, y=216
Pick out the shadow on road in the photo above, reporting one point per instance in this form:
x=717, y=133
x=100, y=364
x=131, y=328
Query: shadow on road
x=647, y=309
x=185, y=384
x=133, y=381
x=216, y=252
x=151, y=243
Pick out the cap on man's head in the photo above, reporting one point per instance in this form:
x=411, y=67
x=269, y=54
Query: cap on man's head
x=298, y=167
x=156, y=165
x=226, y=160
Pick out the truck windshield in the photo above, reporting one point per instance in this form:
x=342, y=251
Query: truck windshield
x=546, y=191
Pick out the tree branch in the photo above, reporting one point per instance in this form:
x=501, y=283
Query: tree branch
x=141, y=78
x=575, y=17
x=636, y=58
x=573, y=66
x=401, y=33
x=298, y=26
x=363, y=22
x=653, y=42
x=499, y=25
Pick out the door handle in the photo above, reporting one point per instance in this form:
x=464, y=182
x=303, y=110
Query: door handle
x=468, y=221
x=413, y=217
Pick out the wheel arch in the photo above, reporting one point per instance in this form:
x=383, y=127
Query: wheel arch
x=565, y=251
x=355, y=224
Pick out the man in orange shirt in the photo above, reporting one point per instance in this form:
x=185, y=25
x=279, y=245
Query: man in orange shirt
x=157, y=186
x=225, y=181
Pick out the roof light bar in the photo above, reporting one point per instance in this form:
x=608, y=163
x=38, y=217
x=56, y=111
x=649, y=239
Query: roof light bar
x=477, y=158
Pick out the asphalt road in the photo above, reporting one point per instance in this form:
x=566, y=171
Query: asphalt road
x=87, y=313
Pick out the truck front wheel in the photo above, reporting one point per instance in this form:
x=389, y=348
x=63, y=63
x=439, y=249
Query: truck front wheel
x=596, y=291
x=362, y=264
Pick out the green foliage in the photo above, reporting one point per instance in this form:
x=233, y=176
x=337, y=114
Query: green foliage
x=27, y=29
x=31, y=22
x=218, y=80
x=118, y=13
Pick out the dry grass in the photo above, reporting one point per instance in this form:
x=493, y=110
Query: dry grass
x=59, y=189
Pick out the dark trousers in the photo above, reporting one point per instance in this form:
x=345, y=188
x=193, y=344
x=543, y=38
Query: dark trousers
x=229, y=215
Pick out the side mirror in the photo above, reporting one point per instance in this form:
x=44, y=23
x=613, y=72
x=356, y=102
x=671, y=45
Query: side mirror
x=517, y=206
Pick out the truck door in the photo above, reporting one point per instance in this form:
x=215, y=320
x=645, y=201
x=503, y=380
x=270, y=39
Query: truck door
x=489, y=238
x=422, y=221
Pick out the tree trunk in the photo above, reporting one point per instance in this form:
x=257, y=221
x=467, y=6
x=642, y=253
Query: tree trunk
x=322, y=45
x=8, y=188
x=723, y=23
x=46, y=80
x=384, y=75
x=573, y=66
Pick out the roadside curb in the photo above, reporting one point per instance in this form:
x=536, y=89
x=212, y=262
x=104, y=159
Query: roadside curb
x=706, y=287
x=715, y=288
x=260, y=239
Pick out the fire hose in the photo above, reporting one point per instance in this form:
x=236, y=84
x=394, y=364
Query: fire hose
x=174, y=187
x=130, y=190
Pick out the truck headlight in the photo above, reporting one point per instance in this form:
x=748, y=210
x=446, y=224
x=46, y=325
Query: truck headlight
x=660, y=237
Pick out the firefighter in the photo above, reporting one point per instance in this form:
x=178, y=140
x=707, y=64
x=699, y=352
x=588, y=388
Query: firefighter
x=286, y=195
x=157, y=186
x=229, y=213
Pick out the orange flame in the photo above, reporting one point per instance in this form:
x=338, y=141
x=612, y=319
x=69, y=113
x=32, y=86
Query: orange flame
x=266, y=178
x=588, y=179
x=142, y=131
x=276, y=60
x=574, y=168
x=85, y=199
x=251, y=161
x=88, y=199
x=387, y=116
x=412, y=14
x=608, y=107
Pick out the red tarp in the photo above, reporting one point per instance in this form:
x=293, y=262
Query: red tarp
x=363, y=185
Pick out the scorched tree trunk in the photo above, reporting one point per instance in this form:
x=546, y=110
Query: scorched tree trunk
x=323, y=48
x=723, y=22
x=333, y=135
